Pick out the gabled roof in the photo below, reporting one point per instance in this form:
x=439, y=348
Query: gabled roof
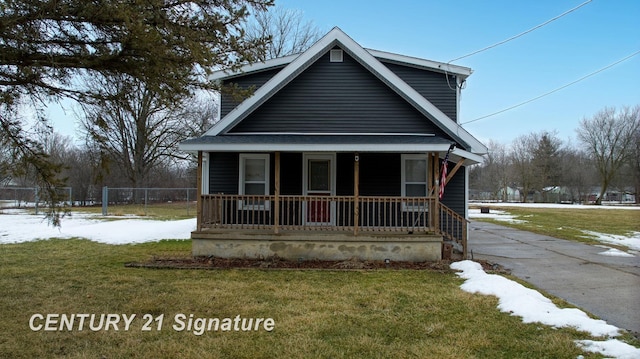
x=462, y=72
x=296, y=64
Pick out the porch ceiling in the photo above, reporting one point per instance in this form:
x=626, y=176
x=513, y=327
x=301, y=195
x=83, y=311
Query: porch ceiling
x=400, y=143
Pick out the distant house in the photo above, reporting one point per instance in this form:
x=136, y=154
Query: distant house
x=337, y=154
x=509, y=194
x=555, y=194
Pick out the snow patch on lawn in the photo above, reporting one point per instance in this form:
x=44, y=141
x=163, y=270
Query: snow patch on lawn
x=533, y=307
x=610, y=348
x=527, y=303
x=611, y=205
x=17, y=227
x=613, y=252
x=632, y=240
x=496, y=214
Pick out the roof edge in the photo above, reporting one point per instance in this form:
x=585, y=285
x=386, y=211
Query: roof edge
x=422, y=63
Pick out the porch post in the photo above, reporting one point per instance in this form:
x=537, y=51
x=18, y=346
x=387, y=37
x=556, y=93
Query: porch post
x=276, y=193
x=199, y=192
x=436, y=187
x=356, y=193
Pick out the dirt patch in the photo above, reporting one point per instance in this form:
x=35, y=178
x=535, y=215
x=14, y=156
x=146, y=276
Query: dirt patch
x=172, y=262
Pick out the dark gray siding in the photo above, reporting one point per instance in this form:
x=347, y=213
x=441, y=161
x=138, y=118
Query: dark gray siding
x=344, y=174
x=454, y=193
x=255, y=81
x=337, y=97
x=290, y=173
x=431, y=85
x=379, y=176
x=223, y=173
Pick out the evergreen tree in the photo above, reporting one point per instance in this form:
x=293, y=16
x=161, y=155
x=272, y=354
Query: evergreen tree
x=48, y=47
x=545, y=161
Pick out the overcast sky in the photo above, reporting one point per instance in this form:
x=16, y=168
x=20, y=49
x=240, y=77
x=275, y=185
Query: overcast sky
x=594, y=36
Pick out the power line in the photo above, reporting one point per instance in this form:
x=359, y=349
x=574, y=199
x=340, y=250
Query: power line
x=555, y=90
x=522, y=33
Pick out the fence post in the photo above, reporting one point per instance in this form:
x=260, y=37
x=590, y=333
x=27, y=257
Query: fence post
x=188, y=204
x=105, y=199
x=35, y=190
x=145, y=200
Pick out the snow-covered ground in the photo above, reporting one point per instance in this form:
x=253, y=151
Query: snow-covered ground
x=17, y=226
x=533, y=307
x=632, y=240
x=611, y=205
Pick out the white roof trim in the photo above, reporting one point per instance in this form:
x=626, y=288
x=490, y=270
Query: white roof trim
x=398, y=58
x=424, y=63
x=345, y=147
x=331, y=134
x=254, y=67
x=305, y=59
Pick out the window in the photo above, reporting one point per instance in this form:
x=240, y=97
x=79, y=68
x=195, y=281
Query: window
x=254, y=179
x=414, y=179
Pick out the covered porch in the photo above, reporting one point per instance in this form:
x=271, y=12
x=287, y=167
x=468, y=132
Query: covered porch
x=319, y=223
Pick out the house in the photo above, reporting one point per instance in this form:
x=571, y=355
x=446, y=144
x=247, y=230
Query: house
x=337, y=154
x=509, y=194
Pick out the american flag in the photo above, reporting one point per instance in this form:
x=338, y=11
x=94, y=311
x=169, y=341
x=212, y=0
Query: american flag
x=443, y=177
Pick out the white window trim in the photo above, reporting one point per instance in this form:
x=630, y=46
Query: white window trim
x=205, y=175
x=242, y=182
x=403, y=191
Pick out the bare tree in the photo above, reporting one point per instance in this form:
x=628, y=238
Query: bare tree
x=609, y=138
x=577, y=172
x=522, y=163
x=135, y=128
x=634, y=163
x=493, y=175
x=287, y=30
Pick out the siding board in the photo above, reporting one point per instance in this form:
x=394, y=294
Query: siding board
x=380, y=174
x=433, y=86
x=337, y=97
x=454, y=192
x=255, y=80
x=223, y=172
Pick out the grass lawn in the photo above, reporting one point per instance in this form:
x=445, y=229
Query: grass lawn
x=317, y=314
x=568, y=223
x=163, y=211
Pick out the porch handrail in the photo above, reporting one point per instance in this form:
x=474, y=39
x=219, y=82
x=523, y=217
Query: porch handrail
x=327, y=213
x=453, y=227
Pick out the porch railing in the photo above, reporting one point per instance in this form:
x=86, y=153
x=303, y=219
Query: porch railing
x=332, y=213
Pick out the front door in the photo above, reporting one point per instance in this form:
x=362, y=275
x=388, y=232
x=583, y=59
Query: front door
x=319, y=181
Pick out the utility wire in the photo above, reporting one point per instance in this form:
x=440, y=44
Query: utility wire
x=522, y=33
x=555, y=90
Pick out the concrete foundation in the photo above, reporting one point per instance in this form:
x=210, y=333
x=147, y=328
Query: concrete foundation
x=317, y=245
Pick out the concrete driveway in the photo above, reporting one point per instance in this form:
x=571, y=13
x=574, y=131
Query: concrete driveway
x=606, y=286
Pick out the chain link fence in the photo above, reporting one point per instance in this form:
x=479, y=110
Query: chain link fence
x=167, y=202
x=148, y=201
x=29, y=197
